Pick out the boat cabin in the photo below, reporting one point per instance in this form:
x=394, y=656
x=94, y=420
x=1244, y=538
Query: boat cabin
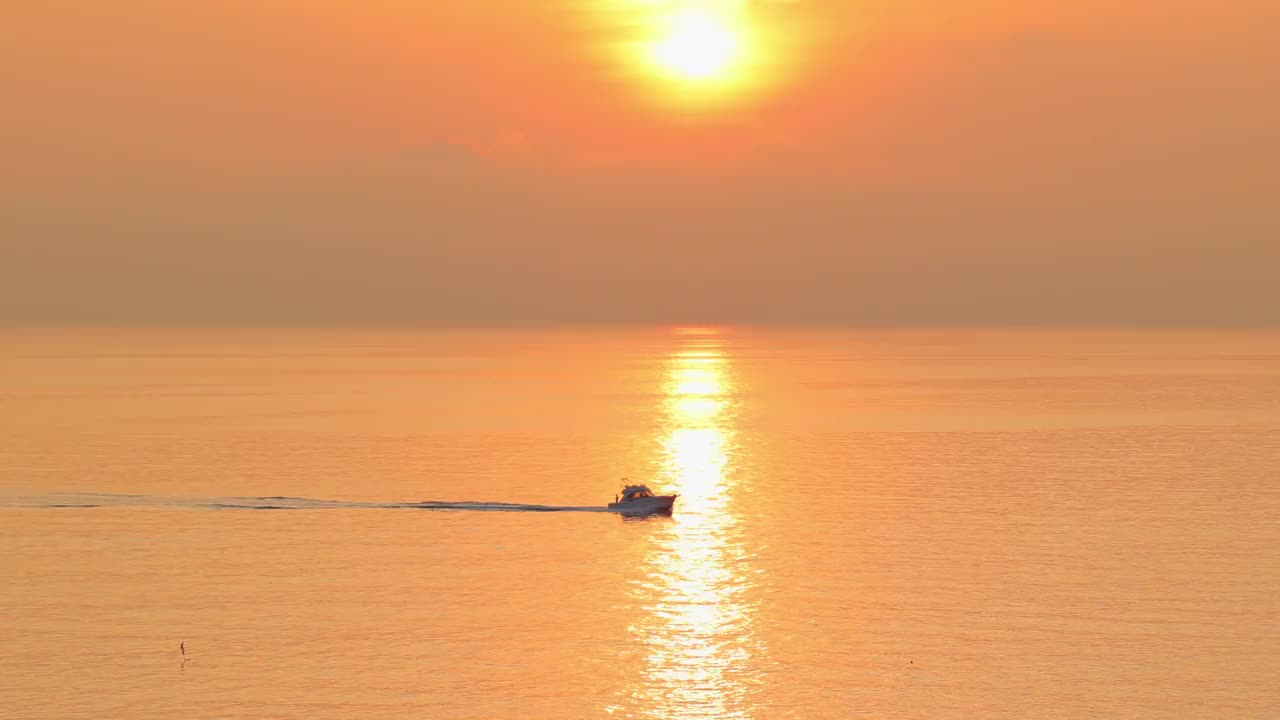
x=633, y=492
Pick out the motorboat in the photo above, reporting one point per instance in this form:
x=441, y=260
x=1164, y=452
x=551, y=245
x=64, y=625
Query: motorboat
x=640, y=500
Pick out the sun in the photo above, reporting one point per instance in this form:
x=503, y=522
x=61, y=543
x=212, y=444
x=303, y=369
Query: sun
x=702, y=59
x=698, y=44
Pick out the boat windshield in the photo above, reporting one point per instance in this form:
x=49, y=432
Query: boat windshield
x=633, y=492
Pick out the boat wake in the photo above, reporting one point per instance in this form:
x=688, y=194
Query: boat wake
x=101, y=500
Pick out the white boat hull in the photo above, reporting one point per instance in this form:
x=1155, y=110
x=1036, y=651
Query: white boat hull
x=654, y=505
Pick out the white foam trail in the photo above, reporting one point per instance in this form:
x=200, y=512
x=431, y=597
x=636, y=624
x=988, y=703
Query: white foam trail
x=498, y=506
x=97, y=500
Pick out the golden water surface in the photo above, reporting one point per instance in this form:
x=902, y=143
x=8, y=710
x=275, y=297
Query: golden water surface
x=898, y=524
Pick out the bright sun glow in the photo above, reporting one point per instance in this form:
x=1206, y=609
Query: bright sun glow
x=706, y=58
x=699, y=44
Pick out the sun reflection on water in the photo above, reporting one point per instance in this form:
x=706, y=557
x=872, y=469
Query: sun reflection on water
x=695, y=622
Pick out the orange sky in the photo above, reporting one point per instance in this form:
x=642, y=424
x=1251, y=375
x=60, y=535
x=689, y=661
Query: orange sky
x=874, y=161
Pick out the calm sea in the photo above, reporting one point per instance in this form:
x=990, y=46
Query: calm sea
x=871, y=524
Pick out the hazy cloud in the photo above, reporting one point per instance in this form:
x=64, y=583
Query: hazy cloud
x=1064, y=174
